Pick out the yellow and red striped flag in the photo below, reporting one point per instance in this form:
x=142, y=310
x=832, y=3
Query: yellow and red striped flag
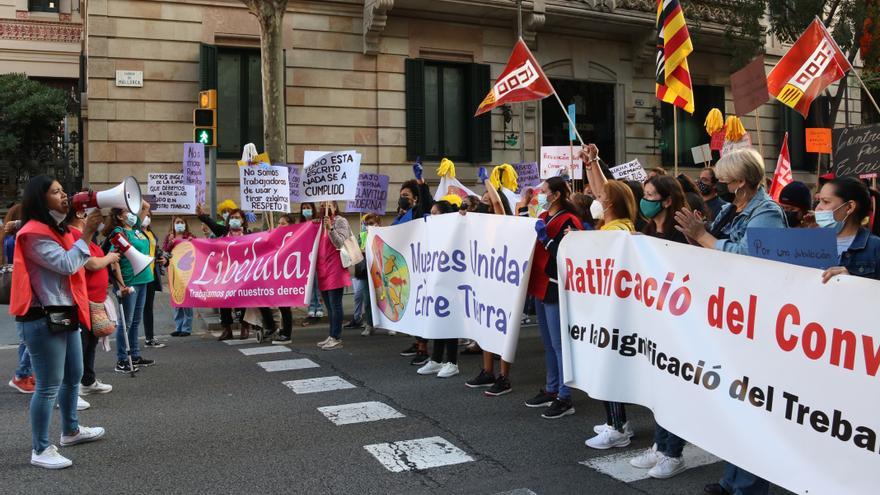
x=673, y=46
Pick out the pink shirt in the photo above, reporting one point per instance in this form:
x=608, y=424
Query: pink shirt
x=328, y=266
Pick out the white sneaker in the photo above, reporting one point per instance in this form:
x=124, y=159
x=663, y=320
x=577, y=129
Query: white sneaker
x=449, y=369
x=324, y=342
x=85, y=434
x=81, y=405
x=96, y=388
x=647, y=459
x=608, y=439
x=392, y=333
x=50, y=459
x=626, y=429
x=430, y=368
x=319, y=314
x=667, y=467
x=332, y=345
x=368, y=330
x=311, y=314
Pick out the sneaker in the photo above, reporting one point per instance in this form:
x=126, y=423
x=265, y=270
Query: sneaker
x=368, y=330
x=392, y=333
x=648, y=459
x=667, y=467
x=84, y=435
x=311, y=314
x=24, y=385
x=354, y=324
x=558, y=409
x=607, y=439
x=281, y=339
x=410, y=351
x=420, y=359
x=319, y=313
x=500, y=387
x=122, y=367
x=543, y=399
x=140, y=361
x=324, y=342
x=626, y=429
x=176, y=334
x=448, y=370
x=430, y=368
x=50, y=459
x=332, y=345
x=525, y=320
x=155, y=344
x=484, y=379
x=81, y=405
x=95, y=388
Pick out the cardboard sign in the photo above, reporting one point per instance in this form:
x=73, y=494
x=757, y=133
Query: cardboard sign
x=171, y=194
x=630, y=171
x=372, y=194
x=717, y=141
x=744, y=142
x=330, y=176
x=528, y=175
x=194, y=168
x=818, y=140
x=813, y=248
x=294, y=181
x=556, y=161
x=264, y=188
x=857, y=151
x=702, y=153
x=749, y=87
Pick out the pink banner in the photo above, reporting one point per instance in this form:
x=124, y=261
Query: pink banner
x=267, y=269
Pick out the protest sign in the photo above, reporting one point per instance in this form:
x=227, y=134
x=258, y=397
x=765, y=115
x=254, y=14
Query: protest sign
x=630, y=171
x=813, y=248
x=557, y=161
x=857, y=151
x=372, y=194
x=294, y=181
x=330, y=176
x=451, y=276
x=749, y=87
x=702, y=154
x=818, y=140
x=170, y=193
x=750, y=360
x=716, y=143
x=194, y=168
x=264, y=188
x=528, y=175
x=266, y=269
x=744, y=142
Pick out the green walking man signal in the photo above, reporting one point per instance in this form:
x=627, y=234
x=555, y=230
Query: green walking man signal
x=205, y=119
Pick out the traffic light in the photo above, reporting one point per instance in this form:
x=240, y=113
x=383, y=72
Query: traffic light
x=205, y=119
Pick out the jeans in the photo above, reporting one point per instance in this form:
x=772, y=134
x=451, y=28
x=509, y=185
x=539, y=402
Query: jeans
x=148, y=311
x=315, y=303
x=741, y=482
x=133, y=305
x=89, y=344
x=333, y=301
x=551, y=334
x=58, y=361
x=451, y=347
x=360, y=286
x=24, y=358
x=667, y=443
x=183, y=320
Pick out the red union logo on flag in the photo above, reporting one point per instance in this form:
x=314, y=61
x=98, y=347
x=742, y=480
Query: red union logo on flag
x=523, y=75
x=809, y=72
x=521, y=80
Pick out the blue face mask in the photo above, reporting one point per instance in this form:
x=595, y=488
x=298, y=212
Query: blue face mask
x=542, y=199
x=307, y=213
x=650, y=208
x=235, y=223
x=825, y=219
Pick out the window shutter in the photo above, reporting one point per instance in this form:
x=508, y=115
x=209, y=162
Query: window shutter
x=480, y=128
x=207, y=67
x=415, y=108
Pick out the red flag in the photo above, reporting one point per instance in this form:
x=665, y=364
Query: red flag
x=812, y=64
x=522, y=80
x=782, y=176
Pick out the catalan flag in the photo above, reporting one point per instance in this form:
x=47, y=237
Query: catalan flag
x=673, y=46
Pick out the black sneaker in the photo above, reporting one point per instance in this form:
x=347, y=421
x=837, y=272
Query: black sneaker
x=543, y=399
x=176, y=334
x=281, y=339
x=484, y=379
x=500, y=387
x=122, y=367
x=140, y=361
x=558, y=409
x=420, y=359
x=410, y=351
x=154, y=344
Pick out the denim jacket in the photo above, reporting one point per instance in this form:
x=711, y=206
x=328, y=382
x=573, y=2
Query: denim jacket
x=761, y=211
x=862, y=259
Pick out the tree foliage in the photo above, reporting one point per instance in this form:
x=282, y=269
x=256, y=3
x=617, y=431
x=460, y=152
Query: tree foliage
x=30, y=116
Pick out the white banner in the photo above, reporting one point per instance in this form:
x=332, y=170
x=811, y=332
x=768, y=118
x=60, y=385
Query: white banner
x=265, y=188
x=754, y=361
x=453, y=276
x=452, y=186
x=170, y=193
x=330, y=176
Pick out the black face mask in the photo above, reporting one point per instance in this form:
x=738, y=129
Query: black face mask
x=705, y=189
x=794, y=218
x=404, y=204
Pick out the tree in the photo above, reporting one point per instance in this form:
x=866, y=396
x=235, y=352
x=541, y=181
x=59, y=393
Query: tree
x=270, y=15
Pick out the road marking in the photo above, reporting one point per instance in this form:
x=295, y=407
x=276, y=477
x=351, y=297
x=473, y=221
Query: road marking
x=617, y=465
x=518, y=491
x=421, y=453
x=288, y=364
x=359, y=412
x=252, y=340
x=321, y=384
x=269, y=349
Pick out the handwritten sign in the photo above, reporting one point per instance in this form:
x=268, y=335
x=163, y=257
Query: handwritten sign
x=264, y=188
x=194, y=168
x=171, y=194
x=702, y=153
x=749, y=87
x=294, y=180
x=717, y=141
x=330, y=176
x=557, y=161
x=528, y=175
x=857, y=150
x=630, y=171
x=818, y=140
x=744, y=142
x=813, y=248
x=372, y=194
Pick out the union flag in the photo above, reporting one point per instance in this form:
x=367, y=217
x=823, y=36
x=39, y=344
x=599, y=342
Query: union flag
x=522, y=80
x=782, y=176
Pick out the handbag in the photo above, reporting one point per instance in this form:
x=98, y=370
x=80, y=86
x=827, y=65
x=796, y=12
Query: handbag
x=350, y=252
x=61, y=319
x=102, y=325
x=5, y=283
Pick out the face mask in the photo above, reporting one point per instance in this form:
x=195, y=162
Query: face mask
x=705, y=189
x=146, y=222
x=793, y=218
x=179, y=228
x=542, y=199
x=307, y=213
x=404, y=203
x=58, y=217
x=131, y=219
x=825, y=219
x=597, y=210
x=648, y=207
x=235, y=224
x=101, y=227
x=225, y=215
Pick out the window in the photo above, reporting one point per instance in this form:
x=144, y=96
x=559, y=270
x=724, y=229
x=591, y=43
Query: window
x=594, y=102
x=441, y=99
x=43, y=5
x=236, y=75
x=691, y=131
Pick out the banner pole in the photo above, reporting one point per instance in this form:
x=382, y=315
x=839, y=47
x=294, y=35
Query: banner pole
x=758, y=130
x=675, y=136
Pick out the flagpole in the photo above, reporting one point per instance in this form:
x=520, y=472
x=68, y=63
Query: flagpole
x=758, y=130
x=675, y=135
x=865, y=89
x=567, y=117
x=522, y=109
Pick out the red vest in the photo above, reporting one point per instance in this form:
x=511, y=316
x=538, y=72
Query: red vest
x=538, y=280
x=22, y=294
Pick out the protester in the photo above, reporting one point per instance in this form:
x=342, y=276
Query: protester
x=708, y=186
x=224, y=209
x=315, y=310
x=361, y=272
x=656, y=171
x=332, y=276
x=582, y=203
x=796, y=201
x=155, y=286
x=695, y=203
x=286, y=332
x=49, y=275
x=742, y=171
x=179, y=232
x=844, y=204
x=360, y=287
x=559, y=218
x=470, y=203
x=236, y=226
x=23, y=378
x=638, y=191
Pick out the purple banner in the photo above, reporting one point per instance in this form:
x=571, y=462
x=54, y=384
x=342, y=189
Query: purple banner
x=194, y=168
x=294, y=179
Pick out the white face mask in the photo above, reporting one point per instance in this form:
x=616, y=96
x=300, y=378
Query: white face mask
x=57, y=216
x=180, y=228
x=146, y=222
x=131, y=219
x=597, y=210
x=101, y=227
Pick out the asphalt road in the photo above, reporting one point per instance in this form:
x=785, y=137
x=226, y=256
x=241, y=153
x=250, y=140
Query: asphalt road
x=208, y=418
